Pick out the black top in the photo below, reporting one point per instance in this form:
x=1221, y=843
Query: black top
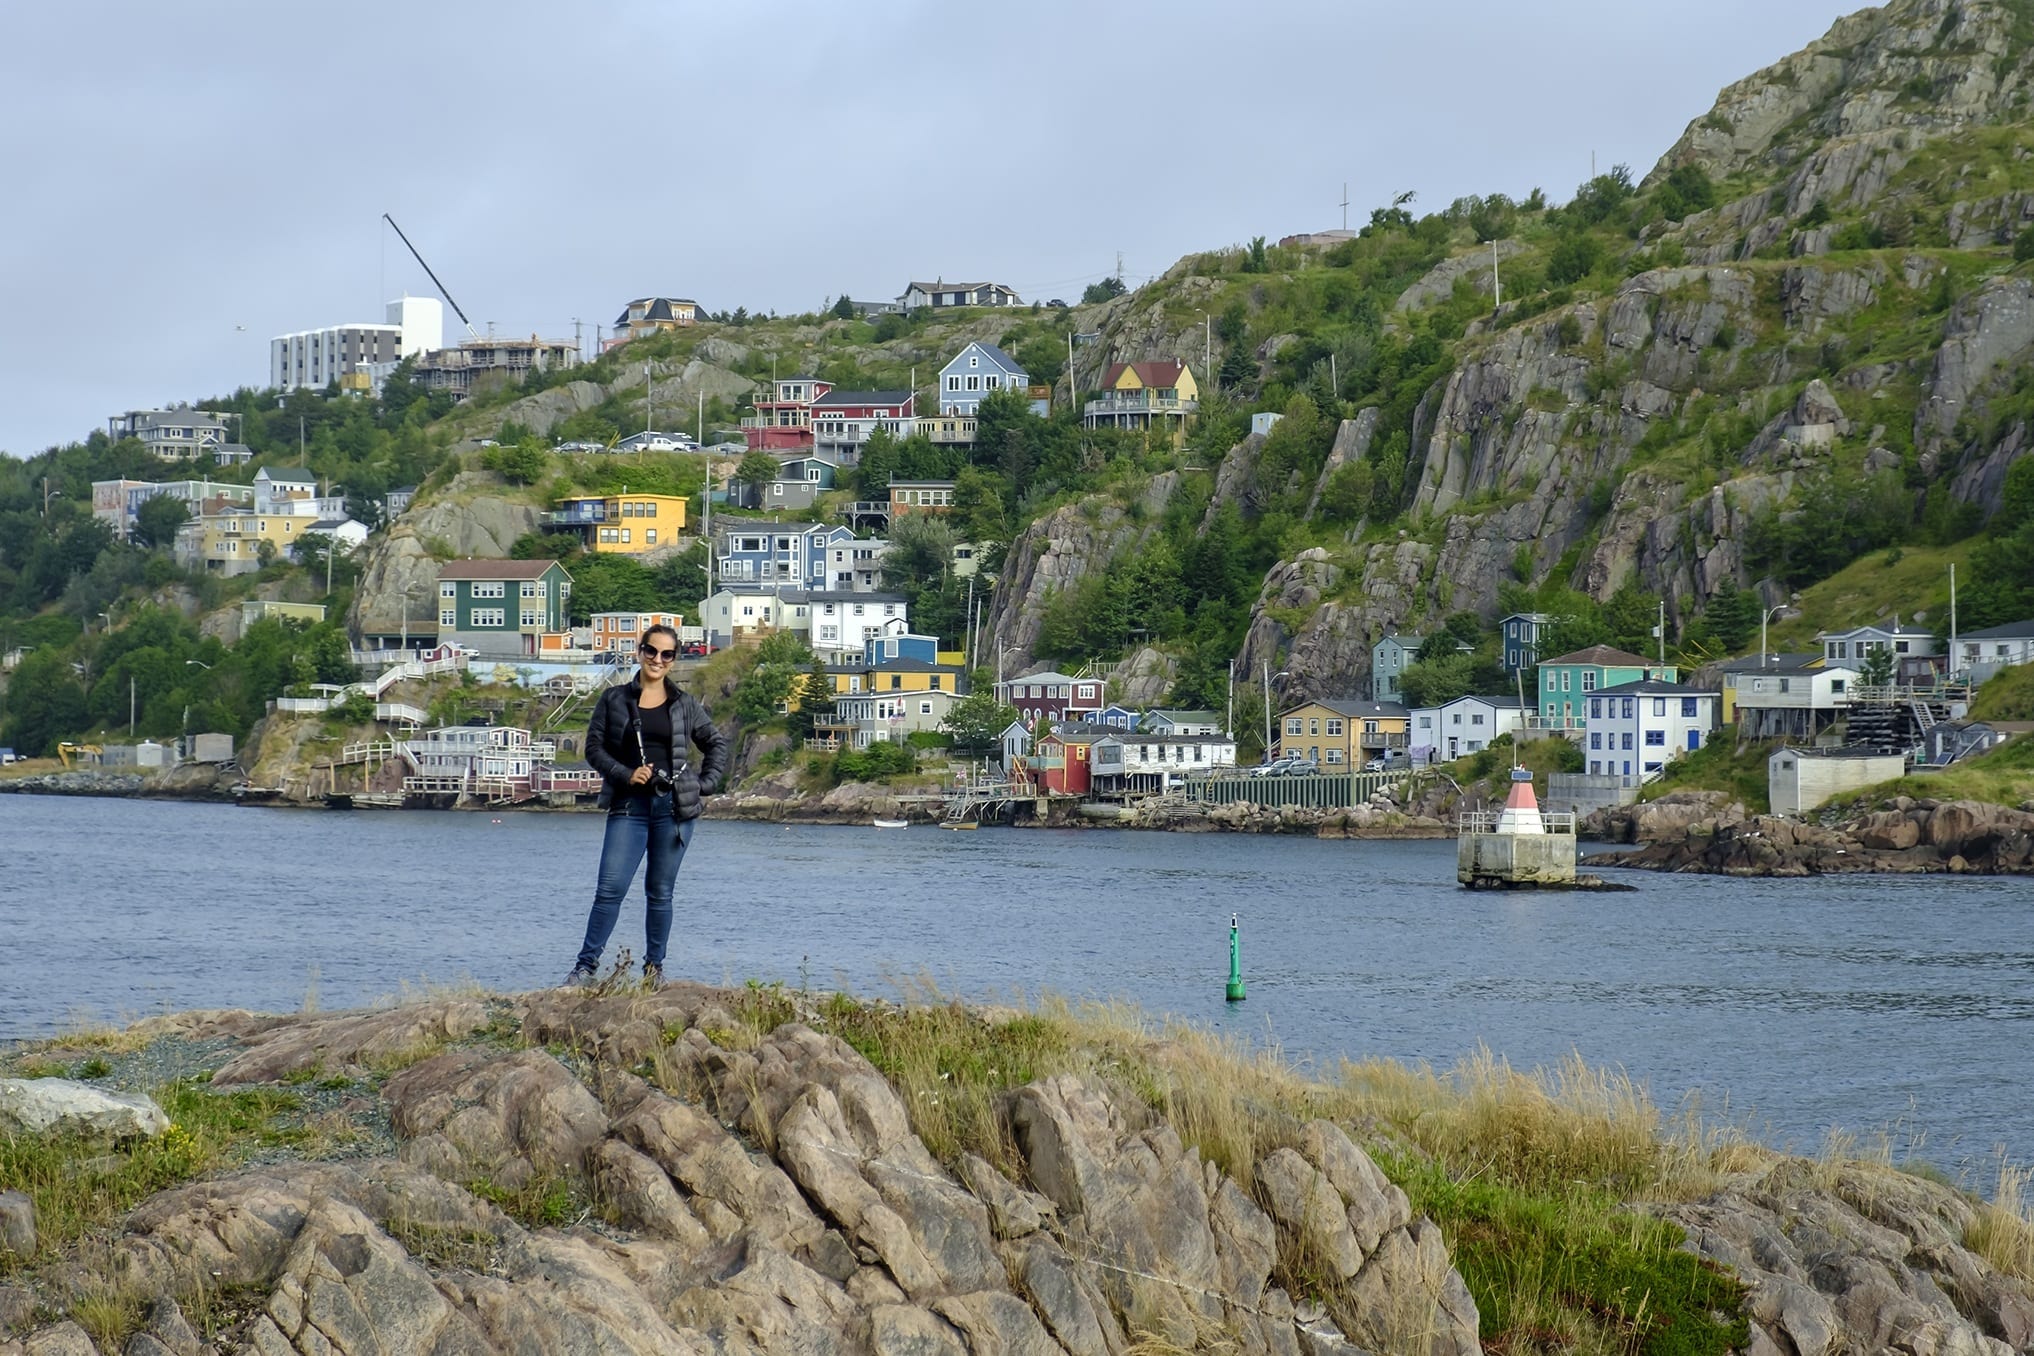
x=657, y=738
x=611, y=745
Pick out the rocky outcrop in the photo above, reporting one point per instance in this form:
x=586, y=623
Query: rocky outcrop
x=1908, y=836
x=1057, y=552
x=61, y=1107
x=471, y=518
x=767, y=1199
x=1857, y=1257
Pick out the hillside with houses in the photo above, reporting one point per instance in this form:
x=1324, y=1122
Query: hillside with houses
x=1730, y=452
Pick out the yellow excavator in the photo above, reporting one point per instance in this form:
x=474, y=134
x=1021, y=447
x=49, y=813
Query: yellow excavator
x=69, y=751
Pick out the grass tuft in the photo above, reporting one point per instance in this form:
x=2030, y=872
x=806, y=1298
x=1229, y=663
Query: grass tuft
x=2003, y=1232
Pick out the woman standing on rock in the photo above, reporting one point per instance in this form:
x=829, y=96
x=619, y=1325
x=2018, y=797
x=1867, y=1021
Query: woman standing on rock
x=637, y=741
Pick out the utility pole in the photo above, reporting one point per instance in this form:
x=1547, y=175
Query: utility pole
x=578, y=342
x=1267, y=710
x=649, y=401
x=130, y=706
x=1496, y=286
x=1661, y=632
x=1345, y=204
x=706, y=522
x=1207, y=345
x=1334, y=375
x=1952, y=621
x=702, y=418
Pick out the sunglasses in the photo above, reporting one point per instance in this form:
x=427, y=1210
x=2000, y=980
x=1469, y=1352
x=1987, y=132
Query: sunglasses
x=665, y=656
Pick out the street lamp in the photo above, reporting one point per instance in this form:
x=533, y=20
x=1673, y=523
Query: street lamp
x=200, y=663
x=1001, y=651
x=1765, y=617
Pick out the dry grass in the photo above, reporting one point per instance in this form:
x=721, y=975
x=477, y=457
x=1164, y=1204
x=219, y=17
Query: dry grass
x=2003, y=1232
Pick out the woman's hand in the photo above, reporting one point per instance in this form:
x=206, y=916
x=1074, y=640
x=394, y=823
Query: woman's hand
x=640, y=777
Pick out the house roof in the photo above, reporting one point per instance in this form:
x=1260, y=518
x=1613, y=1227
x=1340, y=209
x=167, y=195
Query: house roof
x=1153, y=737
x=657, y=308
x=286, y=475
x=1082, y=731
x=1042, y=676
x=862, y=398
x=1773, y=661
x=1604, y=656
x=1406, y=642
x=2020, y=630
x=1652, y=687
x=1885, y=626
x=1841, y=751
x=1160, y=373
x=921, y=484
x=943, y=286
x=996, y=356
x=328, y=524
x=1178, y=716
x=1502, y=703
x=849, y=596
x=472, y=568
x=1355, y=707
x=1536, y=617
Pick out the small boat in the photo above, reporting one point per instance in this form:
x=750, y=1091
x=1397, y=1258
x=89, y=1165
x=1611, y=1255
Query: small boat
x=961, y=824
x=890, y=824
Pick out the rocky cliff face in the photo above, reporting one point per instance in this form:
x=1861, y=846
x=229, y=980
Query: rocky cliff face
x=472, y=518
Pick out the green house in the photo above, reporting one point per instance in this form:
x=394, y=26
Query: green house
x=1567, y=681
x=502, y=609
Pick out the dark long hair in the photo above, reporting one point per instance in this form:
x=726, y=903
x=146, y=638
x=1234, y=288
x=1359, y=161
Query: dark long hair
x=665, y=629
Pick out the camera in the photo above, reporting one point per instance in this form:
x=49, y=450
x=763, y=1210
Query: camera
x=660, y=783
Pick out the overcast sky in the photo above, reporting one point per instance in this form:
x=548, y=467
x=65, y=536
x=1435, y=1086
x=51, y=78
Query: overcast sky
x=185, y=180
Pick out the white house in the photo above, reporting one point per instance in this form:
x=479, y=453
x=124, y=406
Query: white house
x=285, y=492
x=974, y=372
x=1791, y=695
x=1463, y=726
x=942, y=294
x=736, y=610
x=877, y=716
x=1152, y=761
x=1633, y=729
x=1982, y=653
x=1860, y=641
x=843, y=623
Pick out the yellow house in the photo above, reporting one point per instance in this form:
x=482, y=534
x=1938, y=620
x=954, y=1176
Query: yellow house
x=229, y=542
x=625, y=524
x=896, y=675
x=1141, y=395
x=1337, y=734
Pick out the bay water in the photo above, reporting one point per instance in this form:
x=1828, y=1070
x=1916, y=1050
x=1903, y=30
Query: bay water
x=1874, y=1005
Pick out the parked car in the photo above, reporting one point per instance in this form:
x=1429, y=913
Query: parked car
x=1301, y=767
x=1056, y=304
x=695, y=649
x=1386, y=761
x=1275, y=768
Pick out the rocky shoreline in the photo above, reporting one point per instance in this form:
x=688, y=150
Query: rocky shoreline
x=710, y=1172
x=1704, y=832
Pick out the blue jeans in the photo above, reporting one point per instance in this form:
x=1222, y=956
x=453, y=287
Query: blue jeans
x=636, y=824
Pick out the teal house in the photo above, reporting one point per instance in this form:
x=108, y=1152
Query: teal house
x=1567, y=681
x=503, y=609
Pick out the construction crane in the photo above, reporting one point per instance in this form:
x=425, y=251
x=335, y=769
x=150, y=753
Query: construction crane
x=471, y=333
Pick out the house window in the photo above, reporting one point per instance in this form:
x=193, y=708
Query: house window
x=448, y=590
x=1626, y=739
x=1295, y=726
x=1659, y=706
x=448, y=617
x=1595, y=768
x=1835, y=689
x=1334, y=755
x=1455, y=718
x=1900, y=645
x=532, y=617
x=1313, y=725
x=1476, y=718
x=1596, y=708
x=1334, y=727
x=494, y=590
x=1564, y=680
x=1630, y=708
x=1656, y=738
x=490, y=616
x=1595, y=739
x=1426, y=723
x=529, y=589
x=925, y=708
x=953, y=383
x=974, y=383
x=1588, y=681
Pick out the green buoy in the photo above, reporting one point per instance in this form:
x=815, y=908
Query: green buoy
x=1235, y=962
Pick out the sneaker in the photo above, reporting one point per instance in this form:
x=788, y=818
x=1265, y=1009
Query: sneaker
x=580, y=978
x=653, y=977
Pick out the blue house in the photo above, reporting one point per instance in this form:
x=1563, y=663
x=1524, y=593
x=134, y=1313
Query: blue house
x=896, y=641
x=790, y=555
x=1521, y=634
x=974, y=372
x=1120, y=717
x=1388, y=660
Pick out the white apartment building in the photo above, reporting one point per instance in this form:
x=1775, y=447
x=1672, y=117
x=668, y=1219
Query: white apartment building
x=316, y=358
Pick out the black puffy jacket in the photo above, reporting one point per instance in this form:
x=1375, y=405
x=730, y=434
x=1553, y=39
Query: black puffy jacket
x=611, y=745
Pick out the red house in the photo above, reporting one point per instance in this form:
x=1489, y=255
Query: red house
x=1055, y=696
x=1063, y=761
x=842, y=421
x=784, y=422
